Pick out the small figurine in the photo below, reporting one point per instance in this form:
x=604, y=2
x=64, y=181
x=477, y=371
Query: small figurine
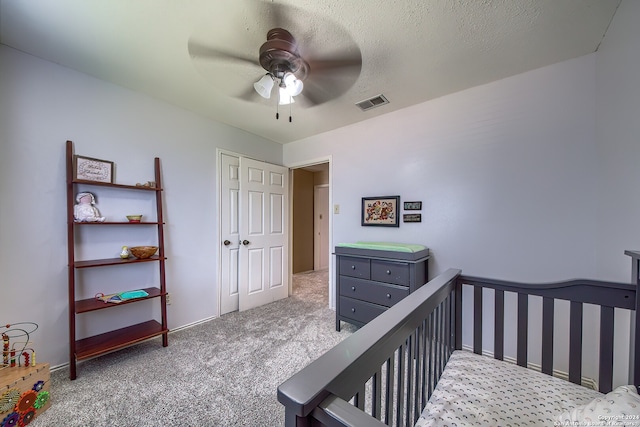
x=125, y=252
x=85, y=211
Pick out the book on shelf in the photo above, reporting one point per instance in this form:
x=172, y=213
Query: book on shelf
x=122, y=296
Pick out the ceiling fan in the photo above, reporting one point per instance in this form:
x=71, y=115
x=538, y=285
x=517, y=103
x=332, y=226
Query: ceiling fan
x=299, y=70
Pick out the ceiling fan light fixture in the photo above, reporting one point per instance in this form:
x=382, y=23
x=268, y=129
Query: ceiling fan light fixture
x=285, y=97
x=293, y=85
x=264, y=86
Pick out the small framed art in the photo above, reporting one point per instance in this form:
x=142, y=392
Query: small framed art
x=412, y=218
x=380, y=211
x=412, y=206
x=89, y=169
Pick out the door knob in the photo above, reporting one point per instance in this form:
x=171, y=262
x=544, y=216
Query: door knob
x=226, y=243
x=245, y=242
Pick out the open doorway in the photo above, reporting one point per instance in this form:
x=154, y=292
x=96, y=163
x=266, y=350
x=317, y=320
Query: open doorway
x=310, y=218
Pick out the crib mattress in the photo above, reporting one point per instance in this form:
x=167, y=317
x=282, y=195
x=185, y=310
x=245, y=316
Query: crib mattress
x=478, y=390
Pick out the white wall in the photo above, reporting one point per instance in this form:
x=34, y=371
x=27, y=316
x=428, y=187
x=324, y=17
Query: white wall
x=509, y=174
x=505, y=172
x=41, y=106
x=617, y=136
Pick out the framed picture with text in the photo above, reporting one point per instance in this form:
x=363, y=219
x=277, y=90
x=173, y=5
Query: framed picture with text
x=412, y=206
x=89, y=169
x=412, y=218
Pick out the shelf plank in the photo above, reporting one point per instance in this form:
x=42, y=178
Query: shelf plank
x=114, y=261
x=115, y=340
x=92, y=304
x=118, y=223
x=109, y=184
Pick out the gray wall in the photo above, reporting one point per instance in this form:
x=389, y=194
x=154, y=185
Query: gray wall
x=531, y=178
x=41, y=106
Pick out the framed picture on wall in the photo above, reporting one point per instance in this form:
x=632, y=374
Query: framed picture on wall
x=380, y=211
x=412, y=206
x=89, y=169
x=412, y=218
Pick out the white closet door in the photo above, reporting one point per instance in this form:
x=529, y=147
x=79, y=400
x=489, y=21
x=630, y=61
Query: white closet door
x=230, y=232
x=263, y=253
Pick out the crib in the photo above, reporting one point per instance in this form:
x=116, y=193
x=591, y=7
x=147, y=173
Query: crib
x=388, y=371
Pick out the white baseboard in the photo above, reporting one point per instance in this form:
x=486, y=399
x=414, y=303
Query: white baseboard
x=196, y=323
x=586, y=382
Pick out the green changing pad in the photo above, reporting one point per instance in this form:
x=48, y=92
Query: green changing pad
x=385, y=246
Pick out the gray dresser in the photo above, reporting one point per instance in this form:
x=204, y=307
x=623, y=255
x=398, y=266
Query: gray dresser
x=369, y=281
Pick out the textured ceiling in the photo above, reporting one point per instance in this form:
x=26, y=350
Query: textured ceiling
x=412, y=50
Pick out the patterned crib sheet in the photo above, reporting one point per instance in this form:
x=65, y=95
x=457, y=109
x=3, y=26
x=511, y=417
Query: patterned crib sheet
x=478, y=390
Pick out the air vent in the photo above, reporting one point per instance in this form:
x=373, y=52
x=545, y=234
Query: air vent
x=370, y=103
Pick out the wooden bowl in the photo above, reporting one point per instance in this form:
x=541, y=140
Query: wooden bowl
x=143, y=252
x=134, y=218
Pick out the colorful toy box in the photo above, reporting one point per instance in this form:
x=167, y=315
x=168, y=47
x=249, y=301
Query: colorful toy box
x=24, y=393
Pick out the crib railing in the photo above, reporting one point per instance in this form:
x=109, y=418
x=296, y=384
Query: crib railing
x=385, y=373
x=606, y=295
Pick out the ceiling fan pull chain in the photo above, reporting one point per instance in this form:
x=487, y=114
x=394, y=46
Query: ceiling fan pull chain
x=290, y=111
x=277, y=111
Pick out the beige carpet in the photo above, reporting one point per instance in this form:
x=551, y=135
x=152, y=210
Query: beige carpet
x=224, y=372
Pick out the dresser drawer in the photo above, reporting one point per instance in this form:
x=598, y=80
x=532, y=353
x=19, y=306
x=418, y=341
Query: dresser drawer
x=360, y=311
x=354, y=267
x=378, y=293
x=390, y=272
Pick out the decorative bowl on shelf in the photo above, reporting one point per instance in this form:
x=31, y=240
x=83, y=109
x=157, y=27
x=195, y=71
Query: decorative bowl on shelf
x=134, y=218
x=142, y=252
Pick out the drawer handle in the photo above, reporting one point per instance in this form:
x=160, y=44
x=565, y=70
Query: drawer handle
x=353, y=288
x=353, y=310
x=388, y=295
x=353, y=267
x=388, y=271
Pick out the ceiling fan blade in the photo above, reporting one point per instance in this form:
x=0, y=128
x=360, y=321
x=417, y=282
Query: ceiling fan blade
x=198, y=50
x=315, y=94
x=331, y=78
x=347, y=58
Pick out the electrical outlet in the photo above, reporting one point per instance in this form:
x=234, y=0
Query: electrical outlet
x=168, y=299
x=336, y=209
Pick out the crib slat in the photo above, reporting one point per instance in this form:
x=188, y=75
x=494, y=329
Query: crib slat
x=400, y=386
x=575, y=343
x=523, y=328
x=418, y=374
x=452, y=321
x=431, y=353
x=436, y=346
x=498, y=325
x=547, y=335
x=359, y=398
x=447, y=329
x=605, y=375
x=477, y=319
x=425, y=360
x=376, y=394
x=443, y=334
x=388, y=390
x=458, y=308
x=439, y=344
x=407, y=398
